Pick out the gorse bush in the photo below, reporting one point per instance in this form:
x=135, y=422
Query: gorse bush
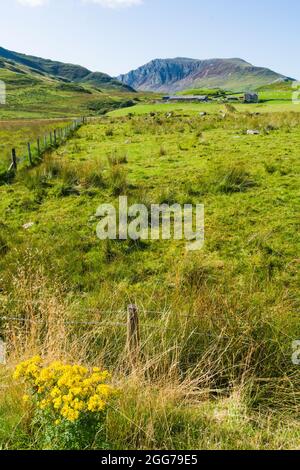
x=69, y=402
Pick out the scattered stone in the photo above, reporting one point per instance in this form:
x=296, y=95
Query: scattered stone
x=128, y=141
x=203, y=114
x=252, y=132
x=28, y=226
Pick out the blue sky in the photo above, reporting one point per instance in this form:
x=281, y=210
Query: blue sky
x=114, y=36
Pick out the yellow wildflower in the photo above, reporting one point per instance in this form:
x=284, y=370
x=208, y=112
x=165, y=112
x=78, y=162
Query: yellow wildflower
x=65, y=391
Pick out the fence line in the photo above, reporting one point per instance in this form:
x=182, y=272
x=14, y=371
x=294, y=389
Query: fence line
x=133, y=318
x=42, y=145
x=66, y=322
x=133, y=327
x=109, y=323
x=119, y=311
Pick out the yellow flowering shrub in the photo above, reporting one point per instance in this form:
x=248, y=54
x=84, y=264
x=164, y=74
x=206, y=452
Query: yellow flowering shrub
x=65, y=393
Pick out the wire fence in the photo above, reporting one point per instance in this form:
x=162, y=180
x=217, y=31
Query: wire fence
x=133, y=316
x=35, y=150
x=132, y=327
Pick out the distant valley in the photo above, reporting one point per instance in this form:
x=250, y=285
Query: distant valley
x=38, y=87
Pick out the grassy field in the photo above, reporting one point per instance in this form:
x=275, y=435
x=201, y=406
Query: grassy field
x=271, y=106
x=17, y=133
x=278, y=92
x=217, y=325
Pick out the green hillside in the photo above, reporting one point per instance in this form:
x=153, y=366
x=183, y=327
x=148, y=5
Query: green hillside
x=70, y=72
x=32, y=93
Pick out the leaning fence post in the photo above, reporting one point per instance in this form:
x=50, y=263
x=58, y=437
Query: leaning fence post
x=29, y=153
x=55, y=137
x=38, y=147
x=14, y=159
x=133, y=334
x=51, y=139
x=2, y=352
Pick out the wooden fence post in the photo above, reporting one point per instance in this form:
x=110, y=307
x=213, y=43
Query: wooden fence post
x=45, y=142
x=29, y=153
x=2, y=352
x=55, y=137
x=133, y=334
x=51, y=139
x=38, y=147
x=14, y=159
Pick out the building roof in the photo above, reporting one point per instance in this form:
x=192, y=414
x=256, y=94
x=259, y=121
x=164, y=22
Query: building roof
x=188, y=97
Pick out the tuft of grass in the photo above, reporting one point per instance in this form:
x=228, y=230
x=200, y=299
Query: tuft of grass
x=162, y=151
x=4, y=247
x=235, y=179
x=116, y=160
x=109, y=132
x=69, y=175
x=118, y=180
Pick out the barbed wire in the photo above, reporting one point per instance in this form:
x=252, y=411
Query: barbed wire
x=95, y=323
x=67, y=322
x=120, y=311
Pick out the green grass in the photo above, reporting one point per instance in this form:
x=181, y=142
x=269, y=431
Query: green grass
x=233, y=384
x=32, y=96
x=270, y=106
x=16, y=134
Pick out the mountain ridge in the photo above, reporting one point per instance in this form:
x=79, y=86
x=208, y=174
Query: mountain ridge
x=180, y=73
x=64, y=71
